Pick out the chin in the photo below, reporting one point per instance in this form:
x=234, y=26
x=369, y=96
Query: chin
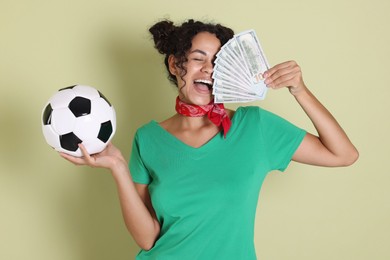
x=199, y=100
x=203, y=101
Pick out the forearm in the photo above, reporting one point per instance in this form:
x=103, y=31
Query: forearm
x=140, y=222
x=137, y=211
x=330, y=133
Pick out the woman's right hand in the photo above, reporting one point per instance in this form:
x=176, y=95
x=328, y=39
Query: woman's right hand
x=138, y=212
x=109, y=158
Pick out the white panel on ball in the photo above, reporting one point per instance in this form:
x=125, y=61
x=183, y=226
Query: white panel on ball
x=63, y=121
x=101, y=109
x=60, y=101
x=86, y=91
x=86, y=127
x=51, y=137
x=94, y=146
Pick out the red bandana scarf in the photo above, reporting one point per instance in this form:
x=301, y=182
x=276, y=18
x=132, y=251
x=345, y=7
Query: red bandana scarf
x=215, y=112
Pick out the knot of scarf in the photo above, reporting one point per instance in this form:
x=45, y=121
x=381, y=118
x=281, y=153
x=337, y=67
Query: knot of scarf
x=215, y=112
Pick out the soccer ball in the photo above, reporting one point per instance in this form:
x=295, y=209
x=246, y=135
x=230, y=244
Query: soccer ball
x=78, y=114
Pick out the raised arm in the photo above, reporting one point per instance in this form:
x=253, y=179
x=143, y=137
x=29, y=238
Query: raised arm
x=137, y=210
x=330, y=146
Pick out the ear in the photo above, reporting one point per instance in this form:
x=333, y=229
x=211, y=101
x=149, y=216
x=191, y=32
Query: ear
x=172, y=65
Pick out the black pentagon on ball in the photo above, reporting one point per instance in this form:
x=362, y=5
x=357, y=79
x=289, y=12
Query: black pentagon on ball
x=80, y=106
x=70, y=142
x=46, y=117
x=105, y=131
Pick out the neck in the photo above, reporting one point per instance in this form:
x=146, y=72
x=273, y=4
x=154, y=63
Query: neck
x=216, y=113
x=187, y=122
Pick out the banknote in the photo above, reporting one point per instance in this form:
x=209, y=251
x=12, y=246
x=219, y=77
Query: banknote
x=253, y=54
x=238, y=70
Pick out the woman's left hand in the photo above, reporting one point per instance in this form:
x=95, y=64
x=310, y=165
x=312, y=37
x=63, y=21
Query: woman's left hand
x=331, y=146
x=287, y=74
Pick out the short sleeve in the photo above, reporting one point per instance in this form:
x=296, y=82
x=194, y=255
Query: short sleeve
x=138, y=171
x=281, y=138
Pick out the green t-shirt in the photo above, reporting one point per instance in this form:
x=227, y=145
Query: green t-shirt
x=205, y=198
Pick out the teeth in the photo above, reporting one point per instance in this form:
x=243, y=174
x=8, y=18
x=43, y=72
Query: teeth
x=204, y=81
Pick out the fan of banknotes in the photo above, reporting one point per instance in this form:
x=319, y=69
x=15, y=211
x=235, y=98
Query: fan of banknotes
x=238, y=70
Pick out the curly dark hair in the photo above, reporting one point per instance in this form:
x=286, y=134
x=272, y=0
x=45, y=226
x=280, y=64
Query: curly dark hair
x=177, y=40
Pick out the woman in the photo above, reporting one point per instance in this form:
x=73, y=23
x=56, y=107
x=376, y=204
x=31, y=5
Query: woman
x=195, y=177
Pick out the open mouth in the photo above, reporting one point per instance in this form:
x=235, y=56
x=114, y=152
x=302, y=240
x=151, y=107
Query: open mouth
x=205, y=82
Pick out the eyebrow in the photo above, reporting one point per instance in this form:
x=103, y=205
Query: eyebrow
x=199, y=51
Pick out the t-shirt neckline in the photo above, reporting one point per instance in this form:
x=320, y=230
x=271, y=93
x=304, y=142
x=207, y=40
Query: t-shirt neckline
x=208, y=145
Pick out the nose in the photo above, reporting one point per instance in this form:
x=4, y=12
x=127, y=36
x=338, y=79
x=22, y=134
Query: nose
x=208, y=67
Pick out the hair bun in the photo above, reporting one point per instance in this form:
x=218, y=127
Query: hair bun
x=163, y=34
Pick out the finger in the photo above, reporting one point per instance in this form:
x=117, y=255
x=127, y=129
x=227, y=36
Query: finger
x=281, y=72
x=73, y=159
x=283, y=65
x=287, y=81
x=83, y=150
x=87, y=157
x=109, y=145
x=283, y=75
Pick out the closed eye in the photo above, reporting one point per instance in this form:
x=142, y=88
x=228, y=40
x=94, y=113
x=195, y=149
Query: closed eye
x=198, y=55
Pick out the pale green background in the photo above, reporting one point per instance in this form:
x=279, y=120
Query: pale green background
x=50, y=209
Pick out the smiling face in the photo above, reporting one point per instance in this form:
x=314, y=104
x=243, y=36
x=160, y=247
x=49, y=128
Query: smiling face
x=195, y=86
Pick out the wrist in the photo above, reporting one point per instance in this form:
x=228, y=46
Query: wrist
x=299, y=92
x=121, y=174
x=118, y=165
